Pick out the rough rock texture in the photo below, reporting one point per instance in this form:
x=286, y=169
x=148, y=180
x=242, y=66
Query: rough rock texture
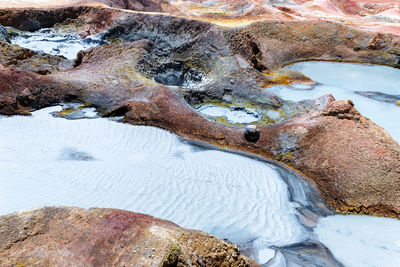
x=354, y=162
x=22, y=90
x=18, y=58
x=375, y=15
x=280, y=43
x=157, y=65
x=107, y=237
x=266, y=44
x=34, y=19
x=83, y=19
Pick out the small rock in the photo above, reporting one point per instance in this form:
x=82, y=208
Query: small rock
x=251, y=133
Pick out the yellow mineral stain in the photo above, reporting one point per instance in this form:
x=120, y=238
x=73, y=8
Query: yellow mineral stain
x=287, y=77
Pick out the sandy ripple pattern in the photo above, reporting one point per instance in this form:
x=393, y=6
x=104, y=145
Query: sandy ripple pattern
x=46, y=160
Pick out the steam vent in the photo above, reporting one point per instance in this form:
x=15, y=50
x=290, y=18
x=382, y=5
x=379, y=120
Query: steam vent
x=200, y=133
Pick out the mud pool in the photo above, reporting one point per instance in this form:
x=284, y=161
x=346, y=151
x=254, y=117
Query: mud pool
x=373, y=89
x=52, y=42
x=97, y=162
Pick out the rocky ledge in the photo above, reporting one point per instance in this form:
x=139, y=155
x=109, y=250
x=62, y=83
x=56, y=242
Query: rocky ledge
x=66, y=236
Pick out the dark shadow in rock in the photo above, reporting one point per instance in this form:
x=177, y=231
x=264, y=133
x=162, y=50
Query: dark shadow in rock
x=35, y=19
x=178, y=74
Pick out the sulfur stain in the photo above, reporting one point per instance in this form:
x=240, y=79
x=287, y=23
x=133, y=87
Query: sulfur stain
x=265, y=120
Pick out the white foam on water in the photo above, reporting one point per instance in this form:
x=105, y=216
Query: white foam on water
x=55, y=43
x=265, y=255
x=342, y=79
x=358, y=240
x=101, y=163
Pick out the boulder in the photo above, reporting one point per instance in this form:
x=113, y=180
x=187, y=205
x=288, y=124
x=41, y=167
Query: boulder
x=18, y=58
x=67, y=236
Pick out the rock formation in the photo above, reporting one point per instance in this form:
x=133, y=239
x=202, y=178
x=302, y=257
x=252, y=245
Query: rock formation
x=66, y=236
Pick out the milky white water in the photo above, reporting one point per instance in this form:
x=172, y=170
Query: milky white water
x=231, y=115
x=96, y=162
x=56, y=43
x=237, y=114
x=342, y=79
x=361, y=240
x=102, y=163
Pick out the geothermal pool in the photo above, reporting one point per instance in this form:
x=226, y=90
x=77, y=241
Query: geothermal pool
x=373, y=89
x=232, y=115
x=96, y=162
x=56, y=43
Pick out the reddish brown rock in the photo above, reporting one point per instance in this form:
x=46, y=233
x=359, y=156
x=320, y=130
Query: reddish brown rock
x=353, y=162
x=107, y=237
x=280, y=43
x=86, y=19
x=20, y=91
x=17, y=58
